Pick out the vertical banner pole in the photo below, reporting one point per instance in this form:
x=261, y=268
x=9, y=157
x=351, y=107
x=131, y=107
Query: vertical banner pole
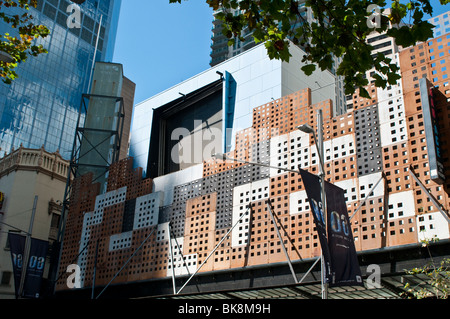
x=320, y=150
x=26, y=252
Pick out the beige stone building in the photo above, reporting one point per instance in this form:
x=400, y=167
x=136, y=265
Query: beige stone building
x=24, y=175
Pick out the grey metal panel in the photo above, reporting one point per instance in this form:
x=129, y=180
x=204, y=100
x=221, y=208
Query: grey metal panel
x=368, y=141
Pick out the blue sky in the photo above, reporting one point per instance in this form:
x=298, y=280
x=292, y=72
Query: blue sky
x=161, y=44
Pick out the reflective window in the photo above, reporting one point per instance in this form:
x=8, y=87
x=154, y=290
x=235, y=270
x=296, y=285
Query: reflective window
x=41, y=106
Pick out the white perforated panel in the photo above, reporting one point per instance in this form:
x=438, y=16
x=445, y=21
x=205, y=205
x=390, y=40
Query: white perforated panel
x=147, y=210
x=182, y=267
x=120, y=241
x=401, y=205
x=242, y=196
x=298, y=203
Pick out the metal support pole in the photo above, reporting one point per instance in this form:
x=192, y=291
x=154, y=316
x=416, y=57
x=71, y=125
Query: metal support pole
x=129, y=259
x=309, y=270
x=171, y=257
x=324, y=279
x=26, y=252
x=320, y=149
x=180, y=252
x=430, y=196
x=62, y=220
x=95, y=270
x=282, y=243
x=367, y=197
x=215, y=248
x=95, y=52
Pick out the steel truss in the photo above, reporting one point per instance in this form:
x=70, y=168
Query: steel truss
x=81, y=138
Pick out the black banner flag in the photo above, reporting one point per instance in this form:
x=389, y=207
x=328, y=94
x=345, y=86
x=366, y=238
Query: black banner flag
x=17, y=246
x=344, y=262
x=313, y=191
x=336, y=239
x=36, y=263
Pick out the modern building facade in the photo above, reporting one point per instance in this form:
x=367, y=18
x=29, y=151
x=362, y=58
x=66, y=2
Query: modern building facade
x=41, y=106
x=428, y=60
x=196, y=218
x=248, y=79
x=158, y=223
x=24, y=175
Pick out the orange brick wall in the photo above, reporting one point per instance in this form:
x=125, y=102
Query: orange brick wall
x=391, y=216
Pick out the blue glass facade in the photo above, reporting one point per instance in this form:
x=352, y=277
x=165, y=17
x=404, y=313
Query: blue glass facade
x=41, y=106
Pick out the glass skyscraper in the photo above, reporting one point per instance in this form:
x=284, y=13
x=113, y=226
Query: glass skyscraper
x=40, y=108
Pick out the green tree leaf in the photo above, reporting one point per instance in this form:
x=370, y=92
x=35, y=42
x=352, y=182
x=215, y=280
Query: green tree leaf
x=309, y=68
x=340, y=29
x=21, y=46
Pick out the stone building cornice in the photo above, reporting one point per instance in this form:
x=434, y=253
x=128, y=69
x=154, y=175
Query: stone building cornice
x=38, y=160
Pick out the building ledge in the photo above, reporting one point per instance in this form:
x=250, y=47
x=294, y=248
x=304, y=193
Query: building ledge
x=39, y=160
